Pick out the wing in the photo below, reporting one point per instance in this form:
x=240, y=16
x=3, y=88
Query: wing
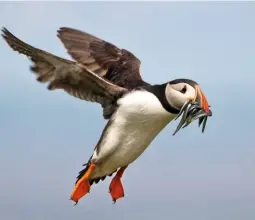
x=103, y=58
x=70, y=76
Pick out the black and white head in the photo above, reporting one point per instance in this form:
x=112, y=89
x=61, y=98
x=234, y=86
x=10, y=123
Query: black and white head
x=186, y=98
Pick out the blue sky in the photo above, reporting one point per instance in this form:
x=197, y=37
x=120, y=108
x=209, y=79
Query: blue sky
x=46, y=136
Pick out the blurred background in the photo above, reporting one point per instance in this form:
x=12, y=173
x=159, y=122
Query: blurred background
x=45, y=137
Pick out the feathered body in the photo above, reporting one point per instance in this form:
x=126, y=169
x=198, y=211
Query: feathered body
x=136, y=110
x=137, y=121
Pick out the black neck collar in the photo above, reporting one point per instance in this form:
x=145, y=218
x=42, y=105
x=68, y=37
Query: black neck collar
x=159, y=92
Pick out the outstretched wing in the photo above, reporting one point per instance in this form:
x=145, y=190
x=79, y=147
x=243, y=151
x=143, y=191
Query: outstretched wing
x=103, y=58
x=74, y=78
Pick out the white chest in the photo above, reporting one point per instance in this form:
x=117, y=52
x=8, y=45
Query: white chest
x=138, y=120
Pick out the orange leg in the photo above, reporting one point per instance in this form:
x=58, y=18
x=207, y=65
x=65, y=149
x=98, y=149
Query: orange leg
x=116, y=188
x=82, y=187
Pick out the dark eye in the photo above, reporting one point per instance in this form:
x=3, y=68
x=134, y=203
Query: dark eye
x=184, y=89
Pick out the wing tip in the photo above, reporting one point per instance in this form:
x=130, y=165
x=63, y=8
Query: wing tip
x=10, y=39
x=63, y=30
x=5, y=33
x=4, y=30
x=68, y=33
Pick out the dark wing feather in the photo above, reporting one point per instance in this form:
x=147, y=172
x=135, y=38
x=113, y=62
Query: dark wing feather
x=103, y=58
x=70, y=76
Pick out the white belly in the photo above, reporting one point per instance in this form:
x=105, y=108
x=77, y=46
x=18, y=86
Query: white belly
x=138, y=120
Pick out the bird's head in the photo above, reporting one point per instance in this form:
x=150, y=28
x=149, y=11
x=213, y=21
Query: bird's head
x=186, y=97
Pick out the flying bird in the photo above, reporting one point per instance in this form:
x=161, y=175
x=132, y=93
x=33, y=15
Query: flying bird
x=136, y=110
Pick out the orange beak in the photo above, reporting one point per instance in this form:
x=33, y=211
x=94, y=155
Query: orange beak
x=200, y=98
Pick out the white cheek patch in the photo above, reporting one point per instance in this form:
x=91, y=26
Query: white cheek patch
x=174, y=98
x=177, y=99
x=191, y=92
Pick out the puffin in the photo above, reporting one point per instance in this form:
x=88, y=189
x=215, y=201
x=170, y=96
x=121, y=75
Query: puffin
x=136, y=111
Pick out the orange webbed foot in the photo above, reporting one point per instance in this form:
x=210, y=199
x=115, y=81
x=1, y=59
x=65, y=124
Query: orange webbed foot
x=82, y=187
x=80, y=190
x=116, y=189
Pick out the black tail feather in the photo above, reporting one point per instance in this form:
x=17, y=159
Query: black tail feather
x=91, y=181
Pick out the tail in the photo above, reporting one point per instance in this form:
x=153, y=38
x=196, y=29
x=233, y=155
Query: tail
x=91, y=181
x=45, y=64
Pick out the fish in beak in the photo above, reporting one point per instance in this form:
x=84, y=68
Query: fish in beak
x=193, y=109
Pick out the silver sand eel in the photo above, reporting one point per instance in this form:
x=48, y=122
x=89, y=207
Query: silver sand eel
x=190, y=112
